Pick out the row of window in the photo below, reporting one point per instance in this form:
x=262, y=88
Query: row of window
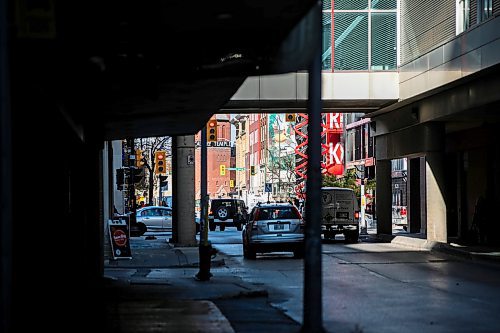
x=470, y=12
x=364, y=35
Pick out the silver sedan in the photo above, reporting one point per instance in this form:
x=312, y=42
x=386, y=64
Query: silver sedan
x=156, y=218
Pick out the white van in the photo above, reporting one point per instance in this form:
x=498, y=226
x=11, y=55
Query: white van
x=340, y=213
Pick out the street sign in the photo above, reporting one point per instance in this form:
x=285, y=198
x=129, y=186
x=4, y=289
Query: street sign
x=236, y=169
x=268, y=187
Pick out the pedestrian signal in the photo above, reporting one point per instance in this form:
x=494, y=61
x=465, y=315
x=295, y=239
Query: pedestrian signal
x=252, y=170
x=222, y=170
x=290, y=117
x=212, y=130
x=160, y=162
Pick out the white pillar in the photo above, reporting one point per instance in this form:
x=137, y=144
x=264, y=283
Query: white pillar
x=435, y=201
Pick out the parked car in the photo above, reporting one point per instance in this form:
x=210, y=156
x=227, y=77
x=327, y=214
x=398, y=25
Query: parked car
x=273, y=227
x=227, y=212
x=156, y=218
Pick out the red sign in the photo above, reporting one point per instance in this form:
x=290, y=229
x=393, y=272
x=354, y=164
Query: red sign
x=370, y=161
x=120, y=237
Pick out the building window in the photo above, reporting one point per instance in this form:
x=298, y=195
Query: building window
x=485, y=9
x=364, y=34
x=463, y=12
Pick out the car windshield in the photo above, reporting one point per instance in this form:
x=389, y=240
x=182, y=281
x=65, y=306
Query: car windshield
x=277, y=213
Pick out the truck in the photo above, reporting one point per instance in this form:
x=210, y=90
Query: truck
x=340, y=214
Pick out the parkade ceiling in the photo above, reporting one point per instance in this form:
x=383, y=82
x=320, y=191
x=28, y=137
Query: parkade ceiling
x=147, y=68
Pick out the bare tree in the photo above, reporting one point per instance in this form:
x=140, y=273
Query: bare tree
x=150, y=146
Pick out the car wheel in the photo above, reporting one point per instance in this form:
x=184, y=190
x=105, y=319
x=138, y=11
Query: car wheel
x=351, y=237
x=239, y=227
x=211, y=226
x=222, y=227
x=138, y=229
x=222, y=213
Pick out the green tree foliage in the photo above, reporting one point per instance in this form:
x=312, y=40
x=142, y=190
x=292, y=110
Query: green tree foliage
x=348, y=180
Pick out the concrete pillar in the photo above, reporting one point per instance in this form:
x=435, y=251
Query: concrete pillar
x=118, y=199
x=435, y=199
x=383, y=199
x=184, y=191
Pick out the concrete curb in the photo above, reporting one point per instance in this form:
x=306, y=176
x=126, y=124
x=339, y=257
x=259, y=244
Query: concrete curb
x=426, y=245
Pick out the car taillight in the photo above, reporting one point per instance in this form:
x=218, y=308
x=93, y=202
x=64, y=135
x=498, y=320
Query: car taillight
x=356, y=215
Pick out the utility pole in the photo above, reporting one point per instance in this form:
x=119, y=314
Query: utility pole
x=313, y=304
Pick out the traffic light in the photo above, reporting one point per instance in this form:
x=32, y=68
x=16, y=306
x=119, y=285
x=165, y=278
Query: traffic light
x=252, y=170
x=222, y=170
x=160, y=162
x=290, y=117
x=212, y=130
x=139, y=158
x=137, y=174
x=163, y=180
x=231, y=183
x=120, y=179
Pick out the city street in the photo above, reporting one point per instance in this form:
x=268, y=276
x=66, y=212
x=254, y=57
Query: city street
x=367, y=285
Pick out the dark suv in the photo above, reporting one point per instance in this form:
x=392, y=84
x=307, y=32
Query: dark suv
x=227, y=212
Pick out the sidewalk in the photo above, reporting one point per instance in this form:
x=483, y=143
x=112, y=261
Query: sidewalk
x=480, y=253
x=156, y=291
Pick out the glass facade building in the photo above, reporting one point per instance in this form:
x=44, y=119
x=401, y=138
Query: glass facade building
x=359, y=35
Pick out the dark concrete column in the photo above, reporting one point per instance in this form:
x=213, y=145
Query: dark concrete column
x=186, y=228
x=414, y=195
x=384, y=197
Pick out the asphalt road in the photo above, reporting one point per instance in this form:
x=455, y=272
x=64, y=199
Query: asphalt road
x=377, y=287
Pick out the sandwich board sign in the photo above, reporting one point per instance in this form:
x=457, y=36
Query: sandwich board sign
x=120, y=239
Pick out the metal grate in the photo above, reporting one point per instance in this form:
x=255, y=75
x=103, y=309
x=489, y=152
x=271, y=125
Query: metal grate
x=327, y=4
x=384, y=37
x=350, y=4
x=384, y=4
x=351, y=41
x=326, y=57
x=496, y=7
x=473, y=13
x=426, y=25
